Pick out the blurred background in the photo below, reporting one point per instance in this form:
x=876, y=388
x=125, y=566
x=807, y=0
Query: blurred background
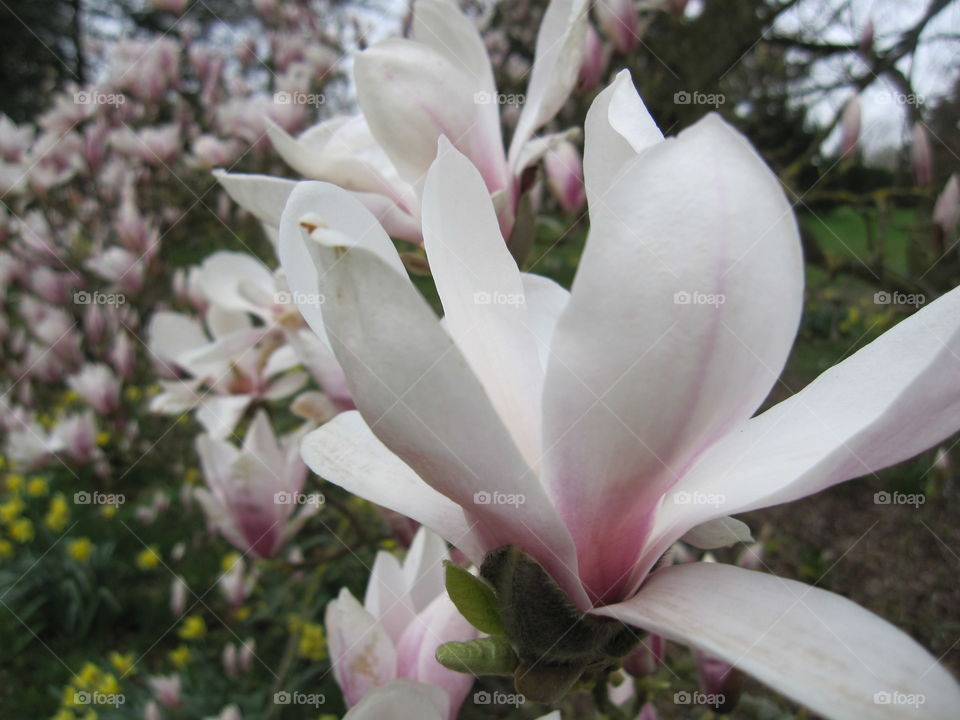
x=114, y=115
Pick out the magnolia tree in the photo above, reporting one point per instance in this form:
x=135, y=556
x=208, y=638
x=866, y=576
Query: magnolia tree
x=220, y=282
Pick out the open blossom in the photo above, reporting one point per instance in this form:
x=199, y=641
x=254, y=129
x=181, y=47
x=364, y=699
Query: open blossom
x=406, y=614
x=166, y=689
x=226, y=372
x=595, y=428
x=253, y=495
x=411, y=92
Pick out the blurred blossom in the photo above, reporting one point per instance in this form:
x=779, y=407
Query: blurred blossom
x=178, y=596
x=921, y=155
x=594, y=61
x=98, y=386
x=166, y=689
x=850, y=125
x=405, y=615
x=619, y=21
x=236, y=583
x=565, y=176
x=946, y=212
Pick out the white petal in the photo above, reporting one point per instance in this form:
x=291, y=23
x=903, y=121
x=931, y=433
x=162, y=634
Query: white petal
x=386, y=597
x=718, y=533
x=402, y=699
x=346, y=453
x=817, y=648
x=545, y=301
x=262, y=196
x=556, y=66
x=618, y=128
x=482, y=294
x=219, y=414
x=681, y=316
x=423, y=571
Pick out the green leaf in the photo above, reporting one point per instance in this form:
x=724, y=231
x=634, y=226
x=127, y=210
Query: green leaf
x=483, y=656
x=474, y=599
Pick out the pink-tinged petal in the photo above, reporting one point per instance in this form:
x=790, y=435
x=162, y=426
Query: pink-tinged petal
x=440, y=622
x=482, y=294
x=556, y=65
x=322, y=204
x=891, y=400
x=411, y=95
x=682, y=314
x=386, y=596
x=402, y=699
x=361, y=652
x=262, y=196
x=618, y=127
x=424, y=575
x=442, y=26
x=565, y=176
x=419, y=396
x=345, y=452
x=813, y=646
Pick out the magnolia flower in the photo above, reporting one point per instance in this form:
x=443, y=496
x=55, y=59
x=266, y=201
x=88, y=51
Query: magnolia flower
x=239, y=365
x=406, y=614
x=252, y=492
x=411, y=92
x=850, y=125
x=236, y=583
x=240, y=283
x=97, y=384
x=166, y=689
x=593, y=429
